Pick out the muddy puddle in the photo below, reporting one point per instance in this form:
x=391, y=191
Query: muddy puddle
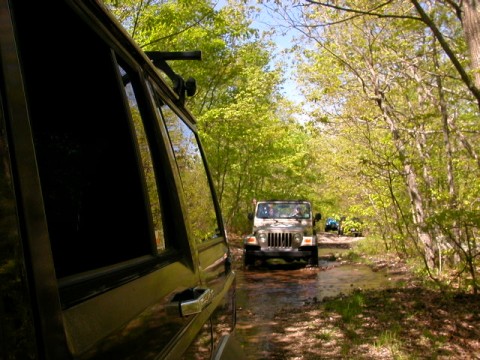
x=276, y=284
x=276, y=287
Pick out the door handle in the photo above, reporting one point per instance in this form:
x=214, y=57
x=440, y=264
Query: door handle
x=190, y=301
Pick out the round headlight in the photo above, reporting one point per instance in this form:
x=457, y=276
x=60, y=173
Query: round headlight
x=297, y=238
x=262, y=237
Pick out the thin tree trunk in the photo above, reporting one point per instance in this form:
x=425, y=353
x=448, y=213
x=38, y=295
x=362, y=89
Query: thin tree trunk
x=416, y=200
x=471, y=28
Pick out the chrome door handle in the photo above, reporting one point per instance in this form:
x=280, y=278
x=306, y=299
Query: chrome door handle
x=191, y=301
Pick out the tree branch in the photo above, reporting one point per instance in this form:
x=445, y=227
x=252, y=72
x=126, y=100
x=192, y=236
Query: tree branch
x=448, y=51
x=365, y=12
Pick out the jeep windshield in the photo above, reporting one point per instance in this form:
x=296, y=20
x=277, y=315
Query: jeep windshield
x=283, y=210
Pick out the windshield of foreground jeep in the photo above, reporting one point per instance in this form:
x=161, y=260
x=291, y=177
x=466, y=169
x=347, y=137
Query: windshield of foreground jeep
x=267, y=211
x=299, y=211
x=283, y=210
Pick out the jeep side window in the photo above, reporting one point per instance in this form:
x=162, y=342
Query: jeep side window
x=87, y=158
x=146, y=159
x=198, y=195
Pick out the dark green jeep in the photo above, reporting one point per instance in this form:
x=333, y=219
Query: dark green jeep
x=103, y=255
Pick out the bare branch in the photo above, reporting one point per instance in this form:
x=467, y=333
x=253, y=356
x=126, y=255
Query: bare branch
x=448, y=51
x=371, y=12
x=456, y=8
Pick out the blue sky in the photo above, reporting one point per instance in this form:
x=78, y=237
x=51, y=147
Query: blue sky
x=283, y=40
x=266, y=21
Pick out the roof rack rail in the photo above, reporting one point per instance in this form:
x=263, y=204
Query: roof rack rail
x=180, y=86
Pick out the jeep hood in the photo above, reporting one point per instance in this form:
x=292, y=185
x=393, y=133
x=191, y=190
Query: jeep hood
x=286, y=227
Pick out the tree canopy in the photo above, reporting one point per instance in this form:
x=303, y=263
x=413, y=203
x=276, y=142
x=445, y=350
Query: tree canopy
x=389, y=130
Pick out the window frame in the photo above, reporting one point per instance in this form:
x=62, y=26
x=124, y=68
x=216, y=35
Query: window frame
x=187, y=119
x=81, y=286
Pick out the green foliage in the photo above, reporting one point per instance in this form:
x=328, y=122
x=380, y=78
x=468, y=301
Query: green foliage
x=379, y=81
x=391, y=132
x=390, y=340
x=348, y=308
x=254, y=145
x=353, y=256
x=352, y=226
x=325, y=335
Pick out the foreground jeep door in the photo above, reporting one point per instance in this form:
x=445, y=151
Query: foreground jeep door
x=116, y=248
x=203, y=215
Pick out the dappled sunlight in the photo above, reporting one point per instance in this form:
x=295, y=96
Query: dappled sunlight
x=398, y=319
x=391, y=325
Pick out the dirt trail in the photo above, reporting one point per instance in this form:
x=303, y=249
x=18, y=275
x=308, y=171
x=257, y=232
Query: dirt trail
x=281, y=316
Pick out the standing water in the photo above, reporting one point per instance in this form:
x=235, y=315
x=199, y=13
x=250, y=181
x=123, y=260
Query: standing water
x=266, y=290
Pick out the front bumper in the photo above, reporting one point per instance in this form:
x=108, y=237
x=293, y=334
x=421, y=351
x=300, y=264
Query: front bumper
x=275, y=253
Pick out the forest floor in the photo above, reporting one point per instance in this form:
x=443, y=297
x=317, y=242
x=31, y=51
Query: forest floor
x=408, y=322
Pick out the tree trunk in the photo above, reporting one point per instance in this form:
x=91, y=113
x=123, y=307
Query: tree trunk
x=416, y=200
x=471, y=28
x=472, y=7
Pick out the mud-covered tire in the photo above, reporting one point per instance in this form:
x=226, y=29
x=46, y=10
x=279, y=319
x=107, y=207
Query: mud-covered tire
x=248, y=259
x=313, y=260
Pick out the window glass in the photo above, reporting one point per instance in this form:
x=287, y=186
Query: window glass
x=87, y=159
x=198, y=195
x=283, y=210
x=146, y=158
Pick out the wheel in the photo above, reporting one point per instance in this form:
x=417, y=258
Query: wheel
x=313, y=261
x=248, y=259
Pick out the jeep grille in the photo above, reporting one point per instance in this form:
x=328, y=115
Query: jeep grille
x=280, y=240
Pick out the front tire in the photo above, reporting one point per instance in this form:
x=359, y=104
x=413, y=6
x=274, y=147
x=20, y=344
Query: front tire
x=313, y=261
x=248, y=259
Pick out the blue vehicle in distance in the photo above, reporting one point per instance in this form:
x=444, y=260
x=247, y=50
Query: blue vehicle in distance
x=331, y=224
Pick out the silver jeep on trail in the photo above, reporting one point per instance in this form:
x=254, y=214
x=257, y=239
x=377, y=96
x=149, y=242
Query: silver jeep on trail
x=282, y=229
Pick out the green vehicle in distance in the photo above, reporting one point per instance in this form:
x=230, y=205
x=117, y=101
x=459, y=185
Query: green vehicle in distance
x=351, y=226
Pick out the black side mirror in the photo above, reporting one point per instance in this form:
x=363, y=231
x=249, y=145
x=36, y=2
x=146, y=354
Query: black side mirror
x=318, y=216
x=250, y=216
